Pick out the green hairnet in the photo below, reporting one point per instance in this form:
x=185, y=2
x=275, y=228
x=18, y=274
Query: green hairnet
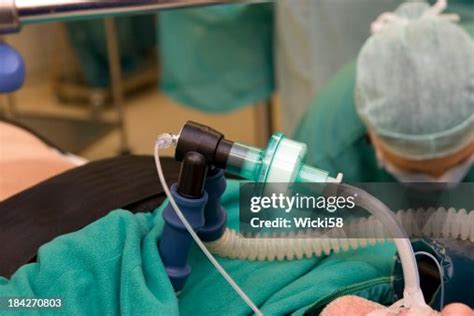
x=415, y=84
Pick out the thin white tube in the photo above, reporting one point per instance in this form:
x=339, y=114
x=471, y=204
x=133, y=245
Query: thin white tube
x=441, y=275
x=164, y=141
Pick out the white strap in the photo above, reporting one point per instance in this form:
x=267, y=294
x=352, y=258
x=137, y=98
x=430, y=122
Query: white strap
x=388, y=18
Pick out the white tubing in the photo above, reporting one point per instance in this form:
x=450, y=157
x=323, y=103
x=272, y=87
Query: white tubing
x=387, y=18
x=440, y=223
x=436, y=223
x=441, y=275
x=412, y=294
x=164, y=141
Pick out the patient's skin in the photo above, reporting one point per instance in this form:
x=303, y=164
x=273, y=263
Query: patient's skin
x=357, y=306
x=25, y=161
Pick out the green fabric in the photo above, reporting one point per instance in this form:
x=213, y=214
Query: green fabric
x=337, y=138
x=464, y=8
x=370, y=289
x=217, y=58
x=112, y=266
x=89, y=43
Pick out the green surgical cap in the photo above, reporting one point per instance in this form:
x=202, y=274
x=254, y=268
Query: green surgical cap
x=415, y=84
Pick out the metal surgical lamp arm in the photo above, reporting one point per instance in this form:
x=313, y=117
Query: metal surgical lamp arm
x=16, y=13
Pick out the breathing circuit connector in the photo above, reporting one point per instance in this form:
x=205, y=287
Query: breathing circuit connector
x=175, y=241
x=204, y=140
x=192, y=175
x=214, y=213
x=281, y=160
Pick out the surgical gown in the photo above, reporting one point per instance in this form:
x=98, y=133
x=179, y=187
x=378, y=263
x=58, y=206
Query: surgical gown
x=336, y=137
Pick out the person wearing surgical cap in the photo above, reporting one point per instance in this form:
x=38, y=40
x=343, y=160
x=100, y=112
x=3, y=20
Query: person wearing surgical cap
x=405, y=110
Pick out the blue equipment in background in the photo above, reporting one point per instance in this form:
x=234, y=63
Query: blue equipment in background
x=12, y=69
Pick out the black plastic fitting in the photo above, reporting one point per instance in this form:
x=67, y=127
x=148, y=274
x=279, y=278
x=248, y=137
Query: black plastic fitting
x=192, y=175
x=204, y=140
